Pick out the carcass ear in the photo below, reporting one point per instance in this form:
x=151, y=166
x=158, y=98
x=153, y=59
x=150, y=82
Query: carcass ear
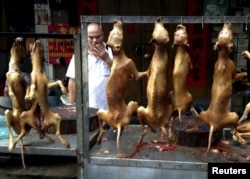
x=230, y=48
x=215, y=46
x=152, y=41
x=187, y=44
x=107, y=46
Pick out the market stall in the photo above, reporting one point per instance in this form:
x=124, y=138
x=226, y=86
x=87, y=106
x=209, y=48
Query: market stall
x=144, y=160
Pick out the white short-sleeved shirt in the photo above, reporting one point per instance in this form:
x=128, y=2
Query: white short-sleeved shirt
x=99, y=73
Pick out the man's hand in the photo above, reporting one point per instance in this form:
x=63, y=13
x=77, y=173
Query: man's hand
x=100, y=52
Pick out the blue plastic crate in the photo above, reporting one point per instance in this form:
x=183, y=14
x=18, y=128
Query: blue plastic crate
x=2, y=121
x=4, y=133
x=4, y=129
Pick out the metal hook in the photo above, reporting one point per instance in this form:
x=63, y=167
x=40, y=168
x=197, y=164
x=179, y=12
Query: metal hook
x=224, y=19
x=202, y=22
x=246, y=23
x=181, y=20
x=100, y=22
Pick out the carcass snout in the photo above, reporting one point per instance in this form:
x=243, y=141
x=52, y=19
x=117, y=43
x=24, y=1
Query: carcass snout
x=181, y=36
x=225, y=37
x=160, y=34
x=115, y=38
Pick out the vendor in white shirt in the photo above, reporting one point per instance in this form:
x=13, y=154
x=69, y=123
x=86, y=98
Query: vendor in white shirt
x=99, y=64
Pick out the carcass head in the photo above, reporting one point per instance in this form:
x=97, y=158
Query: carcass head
x=37, y=50
x=225, y=37
x=160, y=34
x=17, y=50
x=115, y=39
x=181, y=36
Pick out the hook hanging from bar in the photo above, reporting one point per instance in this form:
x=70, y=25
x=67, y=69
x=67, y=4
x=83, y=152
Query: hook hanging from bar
x=181, y=20
x=246, y=23
x=202, y=22
x=100, y=22
x=224, y=19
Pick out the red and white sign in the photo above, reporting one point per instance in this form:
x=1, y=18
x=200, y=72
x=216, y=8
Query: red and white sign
x=61, y=47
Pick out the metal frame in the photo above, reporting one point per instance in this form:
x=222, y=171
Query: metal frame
x=89, y=164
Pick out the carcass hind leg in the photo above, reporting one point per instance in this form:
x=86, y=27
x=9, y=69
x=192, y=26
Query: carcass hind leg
x=56, y=119
x=237, y=137
x=9, y=118
x=21, y=135
x=142, y=115
x=102, y=116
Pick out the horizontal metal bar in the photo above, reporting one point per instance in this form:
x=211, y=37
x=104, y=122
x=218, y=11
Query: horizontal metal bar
x=148, y=163
x=167, y=19
x=36, y=35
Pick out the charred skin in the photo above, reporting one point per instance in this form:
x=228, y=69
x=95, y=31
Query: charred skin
x=39, y=115
x=158, y=112
x=123, y=69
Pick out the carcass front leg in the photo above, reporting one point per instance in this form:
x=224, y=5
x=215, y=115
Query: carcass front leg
x=31, y=93
x=245, y=114
x=57, y=83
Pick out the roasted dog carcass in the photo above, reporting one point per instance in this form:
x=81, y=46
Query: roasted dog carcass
x=39, y=115
x=123, y=69
x=180, y=96
x=159, y=110
x=218, y=115
x=242, y=132
x=17, y=87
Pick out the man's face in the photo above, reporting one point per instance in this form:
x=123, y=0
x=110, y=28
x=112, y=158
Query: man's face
x=95, y=36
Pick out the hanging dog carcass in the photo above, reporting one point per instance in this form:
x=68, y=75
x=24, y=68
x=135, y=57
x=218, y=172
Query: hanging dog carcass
x=242, y=132
x=218, y=115
x=39, y=115
x=181, y=98
x=123, y=69
x=17, y=87
x=159, y=110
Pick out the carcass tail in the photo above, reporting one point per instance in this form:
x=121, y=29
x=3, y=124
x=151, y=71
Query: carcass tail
x=22, y=154
x=210, y=138
x=118, y=138
x=179, y=114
